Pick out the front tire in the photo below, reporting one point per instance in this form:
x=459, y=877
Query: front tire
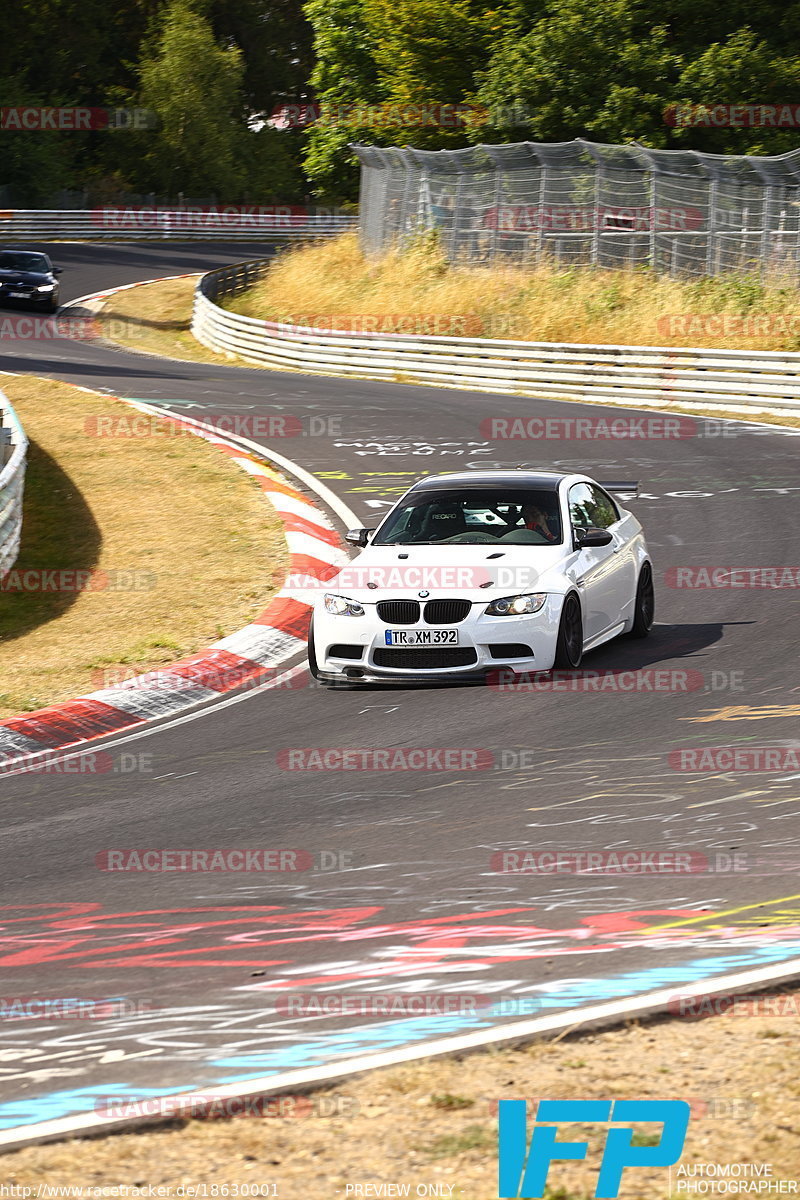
x=312, y=654
x=645, y=606
x=569, y=646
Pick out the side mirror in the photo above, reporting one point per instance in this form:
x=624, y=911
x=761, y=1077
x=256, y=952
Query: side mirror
x=58, y=270
x=358, y=537
x=593, y=537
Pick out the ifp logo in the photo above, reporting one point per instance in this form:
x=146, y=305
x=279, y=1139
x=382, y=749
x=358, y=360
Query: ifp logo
x=523, y=1171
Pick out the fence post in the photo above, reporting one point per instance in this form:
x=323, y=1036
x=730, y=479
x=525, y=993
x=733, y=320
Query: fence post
x=456, y=208
x=712, y=225
x=405, y=201
x=540, y=224
x=766, y=209
x=498, y=194
x=595, y=250
x=653, y=211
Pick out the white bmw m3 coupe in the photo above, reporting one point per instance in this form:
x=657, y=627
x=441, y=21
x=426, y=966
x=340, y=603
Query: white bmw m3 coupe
x=515, y=569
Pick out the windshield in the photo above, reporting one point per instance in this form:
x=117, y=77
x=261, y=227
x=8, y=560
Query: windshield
x=515, y=516
x=18, y=260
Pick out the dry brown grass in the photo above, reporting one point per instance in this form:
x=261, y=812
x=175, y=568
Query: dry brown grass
x=157, y=318
x=334, y=280
x=207, y=548
x=407, y=1131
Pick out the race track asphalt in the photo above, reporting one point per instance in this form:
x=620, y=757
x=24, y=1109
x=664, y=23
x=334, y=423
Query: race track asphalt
x=403, y=896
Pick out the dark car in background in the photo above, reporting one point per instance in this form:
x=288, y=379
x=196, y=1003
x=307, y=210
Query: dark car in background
x=28, y=277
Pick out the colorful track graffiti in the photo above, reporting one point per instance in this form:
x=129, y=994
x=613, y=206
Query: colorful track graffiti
x=243, y=1030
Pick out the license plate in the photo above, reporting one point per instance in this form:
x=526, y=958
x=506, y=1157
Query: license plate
x=421, y=637
x=18, y=295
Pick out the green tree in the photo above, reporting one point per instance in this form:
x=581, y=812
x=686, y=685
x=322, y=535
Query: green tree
x=428, y=52
x=598, y=69
x=609, y=69
x=194, y=86
x=345, y=73
x=741, y=70
x=393, y=56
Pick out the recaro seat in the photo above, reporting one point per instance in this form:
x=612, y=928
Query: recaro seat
x=442, y=521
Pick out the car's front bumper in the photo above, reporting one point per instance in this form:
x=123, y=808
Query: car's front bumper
x=28, y=299
x=485, y=644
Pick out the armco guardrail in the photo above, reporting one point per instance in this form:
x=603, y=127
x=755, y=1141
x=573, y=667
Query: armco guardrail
x=13, y=453
x=634, y=374
x=276, y=223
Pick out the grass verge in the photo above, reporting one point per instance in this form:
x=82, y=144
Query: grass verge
x=190, y=548
x=333, y=281
x=435, y=1122
x=157, y=318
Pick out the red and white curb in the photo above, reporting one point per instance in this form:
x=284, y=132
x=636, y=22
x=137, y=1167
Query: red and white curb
x=126, y=287
x=247, y=656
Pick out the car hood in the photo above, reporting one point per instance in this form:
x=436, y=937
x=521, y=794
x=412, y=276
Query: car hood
x=469, y=572
x=7, y=275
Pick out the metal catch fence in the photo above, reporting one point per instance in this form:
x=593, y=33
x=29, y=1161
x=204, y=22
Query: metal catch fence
x=582, y=203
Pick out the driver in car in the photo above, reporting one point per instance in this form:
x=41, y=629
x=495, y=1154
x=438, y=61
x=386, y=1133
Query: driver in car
x=535, y=519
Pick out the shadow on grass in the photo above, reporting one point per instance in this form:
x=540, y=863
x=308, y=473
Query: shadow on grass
x=114, y=320
x=59, y=533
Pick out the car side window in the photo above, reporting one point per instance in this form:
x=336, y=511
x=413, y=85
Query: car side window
x=580, y=506
x=590, y=506
x=604, y=509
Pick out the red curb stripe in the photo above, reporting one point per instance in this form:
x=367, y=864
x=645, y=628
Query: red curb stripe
x=219, y=670
x=294, y=524
x=73, y=721
x=287, y=615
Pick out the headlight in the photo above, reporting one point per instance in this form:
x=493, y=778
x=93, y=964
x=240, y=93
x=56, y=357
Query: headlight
x=516, y=606
x=46, y=287
x=340, y=606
